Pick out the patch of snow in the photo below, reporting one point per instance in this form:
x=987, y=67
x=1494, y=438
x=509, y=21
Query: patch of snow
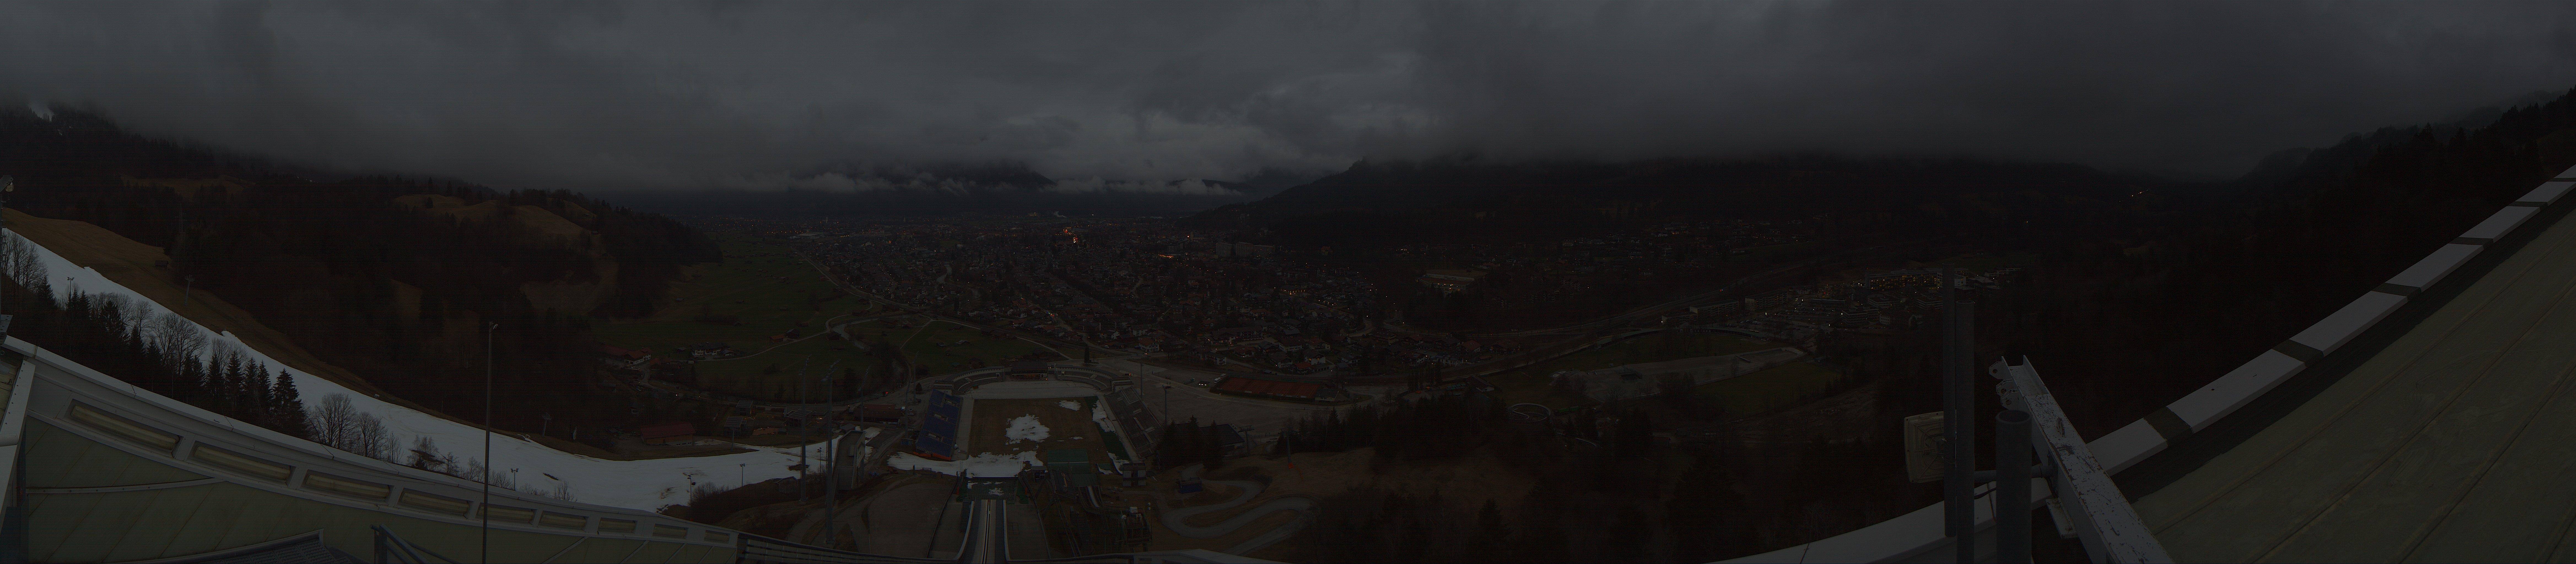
x=1025, y=428
x=1069, y=404
x=634, y=484
x=1100, y=415
x=986, y=465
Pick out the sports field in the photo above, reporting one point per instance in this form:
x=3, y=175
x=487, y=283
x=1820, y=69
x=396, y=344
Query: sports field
x=1772, y=388
x=759, y=290
x=935, y=345
x=1530, y=384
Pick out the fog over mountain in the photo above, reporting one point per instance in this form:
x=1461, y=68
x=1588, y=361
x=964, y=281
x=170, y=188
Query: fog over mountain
x=1147, y=97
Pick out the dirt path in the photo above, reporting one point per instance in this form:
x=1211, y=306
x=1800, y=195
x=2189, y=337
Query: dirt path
x=828, y=327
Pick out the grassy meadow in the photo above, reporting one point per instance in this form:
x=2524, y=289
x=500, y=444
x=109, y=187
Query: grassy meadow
x=760, y=290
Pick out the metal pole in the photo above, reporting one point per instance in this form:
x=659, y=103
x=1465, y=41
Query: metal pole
x=10, y=184
x=1959, y=517
x=804, y=430
x=831, y=472
x=2012, y=487
x=486, y=478
x=831, y=456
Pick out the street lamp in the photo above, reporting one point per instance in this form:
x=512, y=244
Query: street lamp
x=486, y=478
x=7, y=184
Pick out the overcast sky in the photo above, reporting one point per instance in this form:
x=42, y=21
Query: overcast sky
x=667, y=95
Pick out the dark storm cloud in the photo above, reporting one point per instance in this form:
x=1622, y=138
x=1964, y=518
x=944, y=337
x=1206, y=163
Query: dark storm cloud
x=1126, y=96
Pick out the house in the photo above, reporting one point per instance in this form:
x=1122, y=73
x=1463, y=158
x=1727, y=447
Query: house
x=666, y=432
x=880, y=413
x=624, y=353
x=1275, y=389
x=1229, y=441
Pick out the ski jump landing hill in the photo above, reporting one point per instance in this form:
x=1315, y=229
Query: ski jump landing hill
x=108, y=472
x=101, y=471
x=633, y=484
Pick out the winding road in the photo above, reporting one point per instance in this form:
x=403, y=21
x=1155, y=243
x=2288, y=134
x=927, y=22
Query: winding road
x=1175, y=519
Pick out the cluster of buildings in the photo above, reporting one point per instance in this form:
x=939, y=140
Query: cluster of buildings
x=1898, y=299
x=1646, y=261
x=1649, y=378
x=1141, y=285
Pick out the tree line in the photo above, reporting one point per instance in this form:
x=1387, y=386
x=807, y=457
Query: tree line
x=157, y=351
x=1623, y=496
x=166, y=354
x=402, y=296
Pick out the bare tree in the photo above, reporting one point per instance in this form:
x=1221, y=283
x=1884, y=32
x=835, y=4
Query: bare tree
x=133, y=314
x=424, y=455
x=370, y=438
x=177, y=336
x=18, y=261
x=334, y=421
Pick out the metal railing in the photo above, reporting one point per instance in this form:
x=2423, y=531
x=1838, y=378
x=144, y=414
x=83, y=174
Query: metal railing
x=2084, y=494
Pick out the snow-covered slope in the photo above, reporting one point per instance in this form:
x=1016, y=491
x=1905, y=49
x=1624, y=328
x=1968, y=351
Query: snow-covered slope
x=639, y=484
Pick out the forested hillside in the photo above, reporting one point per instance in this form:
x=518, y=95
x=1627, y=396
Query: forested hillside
x=2128, y=321
x=394, y=279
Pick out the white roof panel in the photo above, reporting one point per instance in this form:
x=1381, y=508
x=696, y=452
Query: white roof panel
x=2435, y=266
x=2335, y=330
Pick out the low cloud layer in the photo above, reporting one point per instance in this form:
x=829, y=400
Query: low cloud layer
x=1111, y=97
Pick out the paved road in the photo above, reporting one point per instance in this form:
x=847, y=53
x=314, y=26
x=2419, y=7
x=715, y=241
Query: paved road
x=1176, y=519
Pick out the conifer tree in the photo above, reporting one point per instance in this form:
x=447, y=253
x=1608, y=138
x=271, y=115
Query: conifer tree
x=1699, y=514
x=255, y=385
x=1491, y=535
x=288, y=406
x=224, y=386
x=1542, y=538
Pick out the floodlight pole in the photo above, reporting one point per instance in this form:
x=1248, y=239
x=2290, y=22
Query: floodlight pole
x=9, y=184
x=1958, y=424
x=804, y=431
x=486, y=478
x=2012, y=486
x=831, y=455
